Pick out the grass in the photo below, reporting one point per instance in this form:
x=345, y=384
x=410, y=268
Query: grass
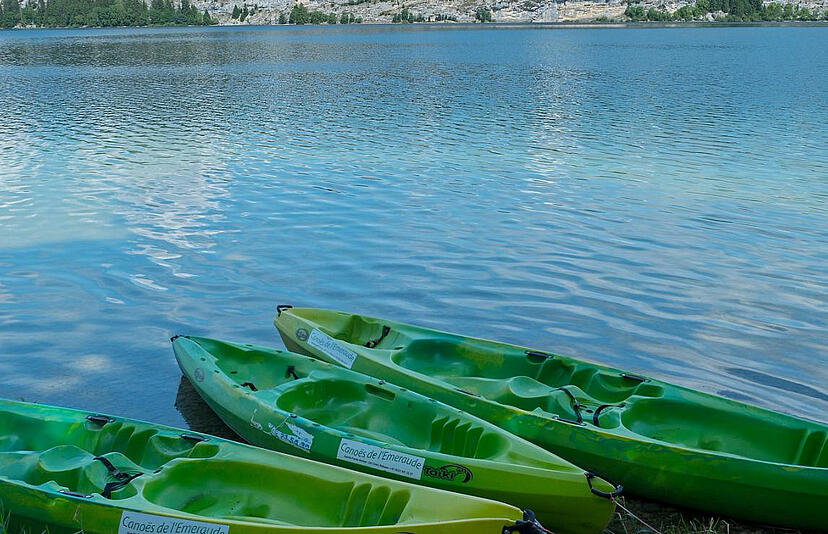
x=670, y=520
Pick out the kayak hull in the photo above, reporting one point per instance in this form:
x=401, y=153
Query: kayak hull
x=661, y=441
x=74, y=471
x=309, y=408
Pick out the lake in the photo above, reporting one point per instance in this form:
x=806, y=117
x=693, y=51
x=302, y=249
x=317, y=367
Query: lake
x=655, y=199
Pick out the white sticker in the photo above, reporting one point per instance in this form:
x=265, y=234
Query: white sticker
x=138, y=523
x=303, y=441
x=322, y=341
x=300, y=432
x=386, y=460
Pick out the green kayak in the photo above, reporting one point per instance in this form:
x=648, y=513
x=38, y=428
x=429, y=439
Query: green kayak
x=303, y=406
x=660, y=441
x=72, y=471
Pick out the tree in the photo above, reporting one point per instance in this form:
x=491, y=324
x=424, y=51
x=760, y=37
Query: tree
x=282, y=18
x=236, y=12
x=299, y=14
x=483, y=15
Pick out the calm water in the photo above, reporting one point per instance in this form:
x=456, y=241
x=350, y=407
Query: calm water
x=653, y=199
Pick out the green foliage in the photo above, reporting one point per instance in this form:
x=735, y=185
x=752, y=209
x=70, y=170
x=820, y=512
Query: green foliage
x=441, y=18
x=734, y=10
x=299, y=15
x=282, y=18
x=317, y=17
x=635, y=13
x=483, y=14
x=332, y=18
x=236, y=13
x=103, y=13
x=405, y=16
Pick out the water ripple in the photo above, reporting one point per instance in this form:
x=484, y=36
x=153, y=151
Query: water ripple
x=651, y=199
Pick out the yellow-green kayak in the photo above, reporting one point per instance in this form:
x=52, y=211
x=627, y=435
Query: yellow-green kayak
x=72, y=471
x=659, y=440
x=300, y=405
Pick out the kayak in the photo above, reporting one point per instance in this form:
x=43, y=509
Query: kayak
x=659, y=440
x=69, y=471
x=302, y=406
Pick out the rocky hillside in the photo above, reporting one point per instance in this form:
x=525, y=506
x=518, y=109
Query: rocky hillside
x=503, y=11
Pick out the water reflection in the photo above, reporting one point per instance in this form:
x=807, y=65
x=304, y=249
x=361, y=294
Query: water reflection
x=590, y=192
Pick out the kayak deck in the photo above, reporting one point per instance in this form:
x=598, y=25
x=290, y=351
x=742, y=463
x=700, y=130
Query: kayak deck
x=99, y=466
x=659, y=440
x=300, y=405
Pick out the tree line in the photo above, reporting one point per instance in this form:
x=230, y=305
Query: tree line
x=100, y=13
x=726, y=11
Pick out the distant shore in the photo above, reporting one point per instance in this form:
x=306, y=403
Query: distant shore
x=502, y=25
x=587, y=13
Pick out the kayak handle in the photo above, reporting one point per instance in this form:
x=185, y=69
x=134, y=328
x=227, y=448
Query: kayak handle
x=605, y=494
x=538, y=355
x=282, y=307
x=192, y=437
x=636, y=378
x=600, y=409
x=74, y=494
x=99, y=419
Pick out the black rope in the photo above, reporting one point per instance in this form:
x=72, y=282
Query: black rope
x=528, y=525
x=282, y=307
x=576, y=406
x=291, y=371
x=121, y=478
x=250, y=385
x=113, y=471
x=106, y=493
x=374, y=342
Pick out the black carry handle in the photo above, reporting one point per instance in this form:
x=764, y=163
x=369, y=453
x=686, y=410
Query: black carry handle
x=193, y=437
x=605, y=494
x=636, y=378
x=601, y=409
x=282, y=307
x=99, y=419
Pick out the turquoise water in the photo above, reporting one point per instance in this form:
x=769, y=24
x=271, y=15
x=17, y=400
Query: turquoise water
x=654, y=199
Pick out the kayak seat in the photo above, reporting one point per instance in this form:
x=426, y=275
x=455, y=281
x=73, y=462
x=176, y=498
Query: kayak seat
x=68, y=468
x=374, y=411
x=346, y=405
x=526, y=374
x=226, y=488
x=712, y=429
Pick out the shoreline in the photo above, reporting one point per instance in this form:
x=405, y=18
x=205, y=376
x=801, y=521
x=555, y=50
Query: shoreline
x=466, y=25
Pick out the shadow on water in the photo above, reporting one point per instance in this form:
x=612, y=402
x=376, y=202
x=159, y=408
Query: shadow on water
x=776, y=382
x=198, y=414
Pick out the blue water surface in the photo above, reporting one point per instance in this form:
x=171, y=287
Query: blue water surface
x=653, y=199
